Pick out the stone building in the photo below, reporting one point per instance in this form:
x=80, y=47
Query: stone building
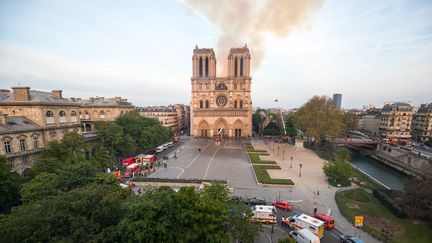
x=396, y=119
x=100, y=109
x=422, y=123
x=369, y=123
x=181, y=117
x=167, y=115
x=221, y=105
x=30, y=119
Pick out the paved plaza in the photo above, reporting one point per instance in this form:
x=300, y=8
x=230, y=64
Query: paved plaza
x=228, y=160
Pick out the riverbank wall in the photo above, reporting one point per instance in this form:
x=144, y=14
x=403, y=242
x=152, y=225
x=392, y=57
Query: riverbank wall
x=402, y=160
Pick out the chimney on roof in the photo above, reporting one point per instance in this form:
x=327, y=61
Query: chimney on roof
x=117, y=99
x=3, y=119
x=21, y=93
x=124, y=100
x=73, y=98
x=57, y=94
x=91, y=99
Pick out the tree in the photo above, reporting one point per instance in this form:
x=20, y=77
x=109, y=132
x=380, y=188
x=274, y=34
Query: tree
x=82, y=215
x=350, y=121
x=10, y=184
x=318, y=118
x=40, y=187
x=339, y=170
x=240, y=226
x=256, y=121
x=272, y=129
x=102, y=158
x=216, y=191
x=289, y=126
x=287, y=240
x=110, y=135
x=417, y=197
x=74, y=143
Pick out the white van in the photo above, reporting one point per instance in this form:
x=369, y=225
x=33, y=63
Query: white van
x=304, y=236
x=170, y=144
x=303, y=221
x=264, y=214
x=160, y=149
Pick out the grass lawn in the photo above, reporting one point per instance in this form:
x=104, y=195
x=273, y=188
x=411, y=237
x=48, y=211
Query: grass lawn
x=255, y=158
x=264, y=177
x=250, y=148
x=377, y=218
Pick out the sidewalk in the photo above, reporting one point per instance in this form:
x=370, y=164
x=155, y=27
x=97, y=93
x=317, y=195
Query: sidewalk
x=312, y=184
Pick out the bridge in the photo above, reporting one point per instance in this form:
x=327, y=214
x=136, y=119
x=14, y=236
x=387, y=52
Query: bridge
x=358, y=142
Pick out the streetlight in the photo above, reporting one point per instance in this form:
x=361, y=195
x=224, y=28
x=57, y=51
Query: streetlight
x=301, y=165
x=283, y=155
x=278, y=151
x=291, y=162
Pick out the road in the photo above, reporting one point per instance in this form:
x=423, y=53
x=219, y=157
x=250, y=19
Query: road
x=228, y=161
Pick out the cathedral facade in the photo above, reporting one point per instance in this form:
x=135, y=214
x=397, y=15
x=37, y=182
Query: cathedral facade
x=221, y=105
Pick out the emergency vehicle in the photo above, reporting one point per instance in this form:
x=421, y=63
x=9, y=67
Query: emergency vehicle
x=264, y=214
x=132, y=170
x=303, y=221
x=128, y=161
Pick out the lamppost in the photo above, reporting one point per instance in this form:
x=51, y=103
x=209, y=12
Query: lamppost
x=291, y=162
x=301, y=165
x=278, y=151
x=283, y=155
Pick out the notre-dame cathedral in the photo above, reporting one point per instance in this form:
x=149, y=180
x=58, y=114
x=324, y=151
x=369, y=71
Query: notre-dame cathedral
x=221, y=105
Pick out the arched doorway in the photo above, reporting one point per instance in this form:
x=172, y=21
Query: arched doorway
x=220, y=127
x=238, y=127
x=204, y=129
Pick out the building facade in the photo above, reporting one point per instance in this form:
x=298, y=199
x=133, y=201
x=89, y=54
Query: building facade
x=30, y=120
x=167, y=115
x=337, y=100
x=422, y=123
x=396, y=120
x=100, y=109
x=221, y=105
x=369, y=123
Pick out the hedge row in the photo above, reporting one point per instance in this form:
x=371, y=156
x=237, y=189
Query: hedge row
x=389, y=204
x=264, y=177
x=250, y=148
x=255, y=158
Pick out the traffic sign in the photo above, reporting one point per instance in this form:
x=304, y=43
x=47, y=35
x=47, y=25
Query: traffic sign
x=358, y=221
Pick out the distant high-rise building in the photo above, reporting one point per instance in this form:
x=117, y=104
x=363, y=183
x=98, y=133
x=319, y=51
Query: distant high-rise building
x=337, y=100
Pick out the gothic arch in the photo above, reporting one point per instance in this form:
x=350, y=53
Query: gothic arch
x=206, y=67
x=241, y=67
x=200, y=67
x=235, y=67
x=220, y=123
x=238, y=124
x=203, y=125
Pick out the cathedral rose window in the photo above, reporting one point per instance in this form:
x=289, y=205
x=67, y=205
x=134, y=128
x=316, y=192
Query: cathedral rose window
x=221, y=101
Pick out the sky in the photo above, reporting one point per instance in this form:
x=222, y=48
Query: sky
x=369, y=51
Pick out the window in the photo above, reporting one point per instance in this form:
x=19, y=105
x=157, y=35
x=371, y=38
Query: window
x=22, y=144
x=49, y=116
x=235, y=86
x=200, y=67
x=201, y=104
x=235, y=67
x=102, y=114
x=24, y=160
x=206, y=67
x=207, y=104
x=62, y=117
x=7, y=147
x=241, y=67
x=35, y=142
x=235, y=104
x=241, y=104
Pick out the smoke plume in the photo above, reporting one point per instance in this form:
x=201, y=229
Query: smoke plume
x=248, y=21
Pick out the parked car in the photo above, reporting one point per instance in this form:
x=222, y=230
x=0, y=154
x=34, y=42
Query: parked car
x=350, y=239
x=328, y=221
x=152, y=152
x=160, y=149
x=255, y=201
x=282, y=204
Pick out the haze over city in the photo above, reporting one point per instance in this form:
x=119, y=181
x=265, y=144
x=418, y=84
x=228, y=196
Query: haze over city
x=369, y=51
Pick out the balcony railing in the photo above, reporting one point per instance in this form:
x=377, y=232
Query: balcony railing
x=49, y=120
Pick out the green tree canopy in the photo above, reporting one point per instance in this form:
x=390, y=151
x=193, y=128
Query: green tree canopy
x=289, y=126
x=339, y=170
x=10, y=184
x=318, y=118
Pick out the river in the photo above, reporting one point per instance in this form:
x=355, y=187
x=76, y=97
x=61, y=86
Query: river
x=380, y=172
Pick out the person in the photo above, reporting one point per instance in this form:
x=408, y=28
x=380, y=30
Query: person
x=175, y=156
x=199, y=150
x=315, y=210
